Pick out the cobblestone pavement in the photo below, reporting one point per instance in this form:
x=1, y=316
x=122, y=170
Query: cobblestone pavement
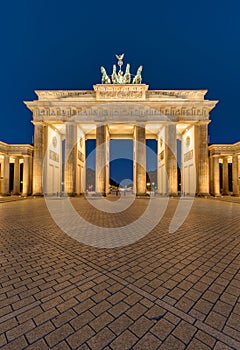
x=167, y=291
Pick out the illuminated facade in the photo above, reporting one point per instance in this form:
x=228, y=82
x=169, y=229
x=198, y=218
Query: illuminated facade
x=65, y=119
x=16, y=169
x=115, y=111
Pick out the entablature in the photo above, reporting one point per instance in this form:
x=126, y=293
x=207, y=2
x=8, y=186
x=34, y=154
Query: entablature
x=224, y=149
x=16, y=149
x=92, y=111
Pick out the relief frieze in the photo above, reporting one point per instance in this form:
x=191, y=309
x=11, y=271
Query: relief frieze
x=51, y=94
x=169, y=112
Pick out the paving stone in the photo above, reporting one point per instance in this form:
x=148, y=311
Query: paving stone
x=9, y=324
x=79, y=337
x=85, y=305
x=184, y=331
x=20, y=330
x=81, y=320
x=120, y=324
x=101, y=339
x=40, y=331
x=64, y=318
x=101, y=321
x=39, y=345
x=124, y=342
x=223, y=308
x=61, y=346
x=148, y=341
x=59, y=334
x=234, y=321
x=3, y=340
x=203, y=306
x=172, y=343
x=216, y=320
x=45, y=316
x=205, y=338
x=118, y=309
x=145, y=295
x=162, y=329
x=100, y=307
x=197, y=345
x=101, y=296
x=141, y=326
x=19, y=343
x=221, y=346
x=136, y=311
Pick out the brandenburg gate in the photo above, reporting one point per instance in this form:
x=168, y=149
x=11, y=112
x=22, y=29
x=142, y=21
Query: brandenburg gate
x=121, y=107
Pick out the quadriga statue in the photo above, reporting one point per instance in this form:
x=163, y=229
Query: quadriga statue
x=105, y=77
x=114, y=75
x=127, y=75
x=138, y=77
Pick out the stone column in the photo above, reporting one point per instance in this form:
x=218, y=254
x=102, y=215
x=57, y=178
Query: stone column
x=235, y=175
x=107, y=188
x=216, y=176
x=101, y=158
x=70, y=159
x=39, y=148
x=6, y=175
x=26, y=175
x=171, y=159
x=16, y=180
x=225, y=176
x=30, y=174
x=140, y=159
x=201, y=159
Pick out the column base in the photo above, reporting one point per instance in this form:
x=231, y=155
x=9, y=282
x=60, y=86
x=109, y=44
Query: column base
x=203, y=194
x=173, y=194
x=141, y=194
x=38, y=194
x=99, y=194
x=70, y=194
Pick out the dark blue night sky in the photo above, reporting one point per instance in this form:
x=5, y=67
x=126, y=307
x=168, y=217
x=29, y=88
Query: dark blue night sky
x=61, y=45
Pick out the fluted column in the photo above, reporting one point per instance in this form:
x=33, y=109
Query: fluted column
x=201, y=158
x=70, y=159
x=39, y=148
x=225, y=176
x=235, y=175
x=101, y=159
x=216, y=176
x=26, y=175
x=140, y=159
x=16, y=179
x=6, y=175
x=171, y=159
